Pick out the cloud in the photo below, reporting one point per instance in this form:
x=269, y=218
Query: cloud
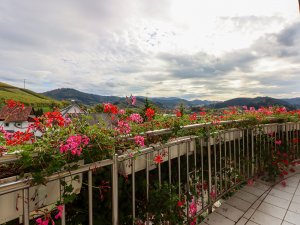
x=157, y=48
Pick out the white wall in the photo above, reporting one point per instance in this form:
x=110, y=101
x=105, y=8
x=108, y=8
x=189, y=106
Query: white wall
x=13, y=126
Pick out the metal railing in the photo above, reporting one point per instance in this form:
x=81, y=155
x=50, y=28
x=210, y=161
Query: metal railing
x=211, y=166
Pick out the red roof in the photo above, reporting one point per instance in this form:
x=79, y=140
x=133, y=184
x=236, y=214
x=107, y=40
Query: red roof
x=16, y=114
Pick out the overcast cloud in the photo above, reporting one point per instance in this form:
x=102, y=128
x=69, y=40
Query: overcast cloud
x=186, y=48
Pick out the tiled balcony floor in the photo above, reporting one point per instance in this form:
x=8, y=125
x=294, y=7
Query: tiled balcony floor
x=261, y=204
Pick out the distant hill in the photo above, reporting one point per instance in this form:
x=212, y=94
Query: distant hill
x=85, y=98
x=170, y=103
x=253, y=102
x=25, y=96
x=91, y=99
x=293, y=101
x=88, y=99
x=173, y=102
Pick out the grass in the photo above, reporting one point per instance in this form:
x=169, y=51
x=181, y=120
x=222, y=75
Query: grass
x=25, y=96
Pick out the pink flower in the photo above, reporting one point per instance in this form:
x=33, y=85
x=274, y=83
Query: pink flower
x=213, y=194
x=193, y=208
x=283, y=183
x=74, y=144
x=123, y=127
x=135, y=117
x=40, y=221
x=139, y=140
x=60, y=209
x=250, y=182
x=278, y=142
x=122, y=111
x=245, y=107
x=133, y=100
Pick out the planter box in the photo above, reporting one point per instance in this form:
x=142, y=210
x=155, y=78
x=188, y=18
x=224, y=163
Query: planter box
x=270, y=128
x=125, y=166
x=40, y=196
x=230, y=135
x=173, y=150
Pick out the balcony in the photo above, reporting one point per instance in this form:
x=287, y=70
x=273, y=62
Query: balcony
x=232, y=172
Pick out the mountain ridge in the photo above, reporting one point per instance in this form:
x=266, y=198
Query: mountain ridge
x=256, y=102
x=90, y=99
x=172, y=102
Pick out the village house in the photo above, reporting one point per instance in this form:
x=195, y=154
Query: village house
x=16, y=119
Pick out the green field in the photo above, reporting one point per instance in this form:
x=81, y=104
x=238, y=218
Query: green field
x=26, y=96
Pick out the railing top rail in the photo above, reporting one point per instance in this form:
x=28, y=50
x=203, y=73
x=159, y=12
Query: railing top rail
x=192, y=126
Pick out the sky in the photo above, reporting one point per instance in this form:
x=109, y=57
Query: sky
x=193, y=49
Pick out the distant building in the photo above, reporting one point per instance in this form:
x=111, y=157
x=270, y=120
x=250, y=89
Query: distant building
x=73, y=109
x=16, y=119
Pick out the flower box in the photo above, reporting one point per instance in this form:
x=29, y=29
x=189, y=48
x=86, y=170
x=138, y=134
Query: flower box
x=125, y=166
x=140, y=163
x=230, y=135
x=271, y=128
x=40, y=196
x=182, y=145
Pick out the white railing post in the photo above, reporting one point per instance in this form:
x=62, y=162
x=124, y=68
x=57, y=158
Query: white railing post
x=115, y=206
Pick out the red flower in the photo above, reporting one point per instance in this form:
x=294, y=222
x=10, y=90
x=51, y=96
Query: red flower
x=110, y=108
x=54, y=118
x=286, y=162
x=178, y=113
x=158, y=159
x=202, y=113
x=12, y=104
x=180, y=203
x=193, y=117
x=18, y=138
x=283, y=183
x=150, y=113
x=278, y=142
x=292, y=170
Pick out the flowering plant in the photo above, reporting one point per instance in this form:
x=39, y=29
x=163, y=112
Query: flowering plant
x=67, y=140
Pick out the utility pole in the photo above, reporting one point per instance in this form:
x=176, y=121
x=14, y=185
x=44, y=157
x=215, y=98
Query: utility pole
x=24, y=83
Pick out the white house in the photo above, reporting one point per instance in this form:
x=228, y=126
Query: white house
x=16, y=118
